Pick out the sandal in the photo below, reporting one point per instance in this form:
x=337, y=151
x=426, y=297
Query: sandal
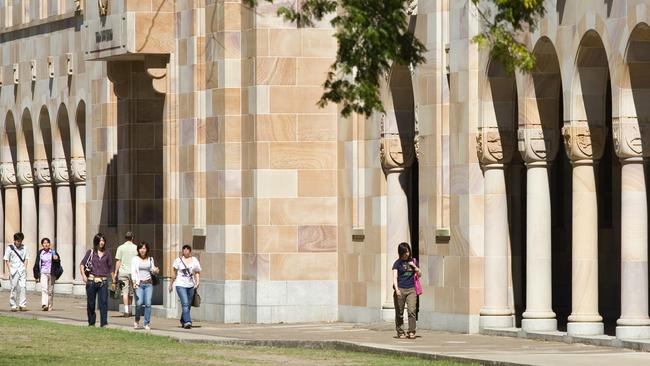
x=401, y=336
x=411, y=336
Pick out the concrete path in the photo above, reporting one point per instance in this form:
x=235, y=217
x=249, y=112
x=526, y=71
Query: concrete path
x=490, y=350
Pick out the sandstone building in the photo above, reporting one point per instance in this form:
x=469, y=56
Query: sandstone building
x=523, y=196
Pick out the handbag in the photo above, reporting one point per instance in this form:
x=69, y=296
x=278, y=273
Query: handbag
x=196, y=299
x=57, y=268
x=155, y=279
x=418, y=285
x=88, y=266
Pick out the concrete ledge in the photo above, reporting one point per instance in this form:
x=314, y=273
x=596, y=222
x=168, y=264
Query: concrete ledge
x=350, y=347
x=600, y=340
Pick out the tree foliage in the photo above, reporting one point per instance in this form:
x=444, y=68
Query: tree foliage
x=373, y=35
x=503, y=22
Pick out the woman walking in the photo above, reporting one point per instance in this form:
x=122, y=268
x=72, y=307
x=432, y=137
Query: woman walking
x=186, y=277
x=142, y=272
x=47, y=269
x=404, y=270
x=95, y=268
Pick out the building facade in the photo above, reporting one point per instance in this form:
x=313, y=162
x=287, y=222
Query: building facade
x=195, y=122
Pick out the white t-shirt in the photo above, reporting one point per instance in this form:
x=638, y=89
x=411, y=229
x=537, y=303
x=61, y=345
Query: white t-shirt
x=15, y=264
x=184, y=276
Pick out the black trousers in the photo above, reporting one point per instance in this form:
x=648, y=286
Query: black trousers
x=94, y=290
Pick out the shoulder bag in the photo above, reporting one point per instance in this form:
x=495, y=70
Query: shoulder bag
x=88, y=267
x=418, y=285
x=57, y=268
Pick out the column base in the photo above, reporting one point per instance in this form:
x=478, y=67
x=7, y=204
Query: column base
x=633, y=332
x=539, y=325
x=388, y=315
x=63, y=288
x=496, y=321
x=585, y=329
x=78, y=288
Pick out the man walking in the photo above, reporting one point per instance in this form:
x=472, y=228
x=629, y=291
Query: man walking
x=124, y=255
x=16, y=258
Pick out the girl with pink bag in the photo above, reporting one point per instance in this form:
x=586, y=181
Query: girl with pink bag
x=407, y=288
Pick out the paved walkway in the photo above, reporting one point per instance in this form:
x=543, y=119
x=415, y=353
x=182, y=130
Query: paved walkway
x=377, y=338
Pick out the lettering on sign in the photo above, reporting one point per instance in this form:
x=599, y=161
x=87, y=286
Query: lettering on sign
x=105, y=35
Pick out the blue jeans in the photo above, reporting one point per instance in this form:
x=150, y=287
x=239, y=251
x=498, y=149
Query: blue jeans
x=143, y=297
x=185, y=294
x=94, y=290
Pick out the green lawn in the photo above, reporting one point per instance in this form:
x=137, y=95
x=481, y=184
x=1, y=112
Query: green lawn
x=33, y=342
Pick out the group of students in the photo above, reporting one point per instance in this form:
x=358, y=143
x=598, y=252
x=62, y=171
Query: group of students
x=136, y=275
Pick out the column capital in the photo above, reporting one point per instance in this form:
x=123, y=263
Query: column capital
x=627, y=138
x=42, y=174
x=7, y=175
x=396, y=153
x=78, y=170
x=60, y=172
x=494, y=146
x=537, y=144
x=583, y=141
x=24, y=176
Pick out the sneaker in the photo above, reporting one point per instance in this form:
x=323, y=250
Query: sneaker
x=23, y=308
x=104, y=326
x=136, y=325
x=14, y=309
x=187, y=325
x=147, y=327
x=44, y=307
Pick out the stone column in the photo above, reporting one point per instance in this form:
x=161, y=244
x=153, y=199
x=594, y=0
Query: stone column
x=495, y=313
x=584, y=145
x=634, y=322
x=5, y=275
x=64, y=223
x=537, y=146
x=43, y=180
x=397, y=155
x=12, y=205
x=78, y=169
x=28, y=214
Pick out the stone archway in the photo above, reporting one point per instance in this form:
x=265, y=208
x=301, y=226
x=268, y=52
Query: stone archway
x=595, y=193
x=504, y=184
x=398, y=158
x=8, y=179
x=25, y=178
x=631, y=133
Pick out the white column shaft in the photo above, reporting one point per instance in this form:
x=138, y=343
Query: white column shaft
x=12, y=214
x=634, y=245
x=80, y=224
x=397, y=226
x=538, y=244
x=46, y=223
x=584, y=238
x=497, y=240
x=29, y=223
x=64, y=232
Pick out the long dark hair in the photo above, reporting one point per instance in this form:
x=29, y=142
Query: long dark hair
x=98, y=237
x=145, y=245
x=404, y=248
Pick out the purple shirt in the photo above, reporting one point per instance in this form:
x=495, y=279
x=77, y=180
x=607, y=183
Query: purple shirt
x=46, y=261
x=102, y=266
